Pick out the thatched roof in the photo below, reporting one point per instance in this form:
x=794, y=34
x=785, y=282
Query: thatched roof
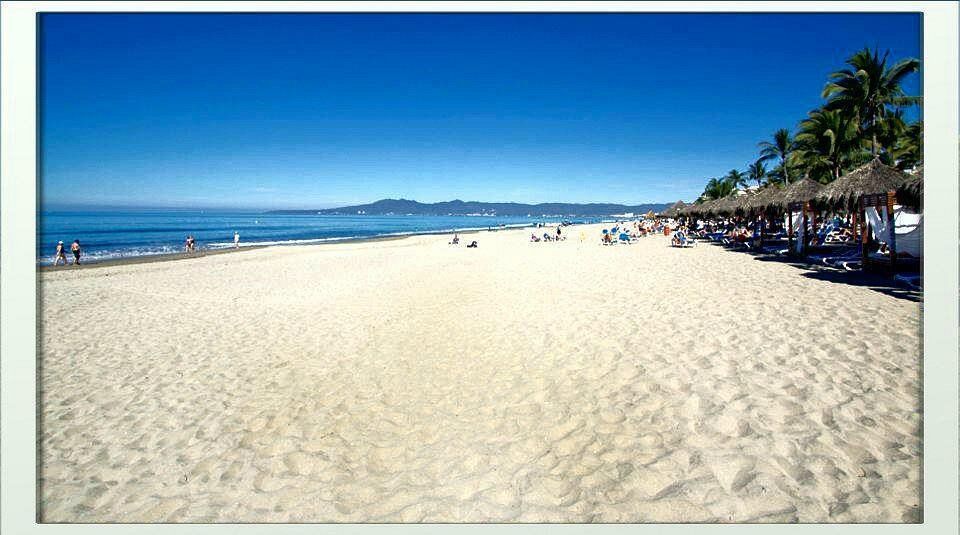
x=799, y=191
x=723, y=205
x=741, y=202
x=868, y=179
x=702, y=208
x=674, y=210
x=765, y=197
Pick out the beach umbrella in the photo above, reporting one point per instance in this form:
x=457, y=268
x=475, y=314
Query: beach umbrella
x=650, y=215
x=709, y=207
x=697, y=208
x=766, y=197
x=872, y=178
x=800, y=191
x=727, y=205
x=674, y=210
x=742, y=202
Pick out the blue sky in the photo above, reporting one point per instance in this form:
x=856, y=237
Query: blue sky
x=309, y=111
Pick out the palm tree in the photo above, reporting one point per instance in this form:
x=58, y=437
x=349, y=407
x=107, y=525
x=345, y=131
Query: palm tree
x=717, y=188
x=736, y=178
x=757, y=171
x=827, y=143
x=781, y=148
x=907, y=151
x=868, y=89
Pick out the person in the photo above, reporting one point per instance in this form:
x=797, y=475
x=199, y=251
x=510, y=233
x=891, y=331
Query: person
x=455, y=240
x=190, y=244
x=236, y=239
x=558, y=232
x=534, y=238
x=583, y=236
x=75, y=247
x=61, y=254
x=473, y=244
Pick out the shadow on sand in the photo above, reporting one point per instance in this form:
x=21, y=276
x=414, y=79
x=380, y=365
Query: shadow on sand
x=879, y=282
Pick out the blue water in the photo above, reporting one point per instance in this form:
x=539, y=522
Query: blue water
x=120, y=234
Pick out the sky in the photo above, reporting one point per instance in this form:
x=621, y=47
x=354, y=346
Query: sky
x=274, y=111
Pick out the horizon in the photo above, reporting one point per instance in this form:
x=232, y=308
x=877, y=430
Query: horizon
x=56, y=207
x=315, y=111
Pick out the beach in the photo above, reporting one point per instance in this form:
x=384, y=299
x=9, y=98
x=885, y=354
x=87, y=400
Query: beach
x=409, y=380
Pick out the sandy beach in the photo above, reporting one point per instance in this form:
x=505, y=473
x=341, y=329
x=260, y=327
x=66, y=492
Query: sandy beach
x=413, y=381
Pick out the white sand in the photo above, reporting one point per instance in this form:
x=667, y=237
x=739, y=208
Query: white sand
x=409, y=380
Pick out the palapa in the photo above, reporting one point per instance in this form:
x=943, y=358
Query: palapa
x=697, y=208
x=764, y=198
x=869, y=179
x=803, y=190
x=675, y=209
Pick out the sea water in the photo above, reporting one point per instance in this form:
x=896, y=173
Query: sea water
x=110, y=234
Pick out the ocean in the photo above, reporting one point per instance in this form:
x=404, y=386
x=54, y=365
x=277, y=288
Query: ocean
x=107, y=235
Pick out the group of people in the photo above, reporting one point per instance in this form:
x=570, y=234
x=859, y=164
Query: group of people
x=456, y=241
x=623, y=232
x=747, y=231
x=546, y=235
x=191, y=244
x=61, y=253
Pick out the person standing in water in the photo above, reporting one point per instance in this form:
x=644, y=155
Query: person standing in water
x=75, y=247
x=61, y=254
x=236, y=239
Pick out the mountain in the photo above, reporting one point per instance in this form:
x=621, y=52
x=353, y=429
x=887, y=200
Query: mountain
x=458, y=207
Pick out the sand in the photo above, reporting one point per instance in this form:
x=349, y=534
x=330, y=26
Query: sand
x=413, y=381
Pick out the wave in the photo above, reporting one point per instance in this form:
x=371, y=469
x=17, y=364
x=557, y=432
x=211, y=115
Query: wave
x=113, y=253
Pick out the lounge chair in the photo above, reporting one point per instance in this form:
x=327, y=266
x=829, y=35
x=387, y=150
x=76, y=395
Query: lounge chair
x=681, y=240
x=913, y=280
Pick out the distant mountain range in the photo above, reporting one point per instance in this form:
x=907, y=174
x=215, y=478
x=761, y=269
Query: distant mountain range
x=458, y=207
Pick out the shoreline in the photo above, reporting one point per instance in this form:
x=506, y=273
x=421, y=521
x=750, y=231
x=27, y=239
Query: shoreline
x=169, y=257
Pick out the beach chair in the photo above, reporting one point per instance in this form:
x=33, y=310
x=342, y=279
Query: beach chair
x=836, y=258
x=681, y=240
x=624, y=237
x=912, y=280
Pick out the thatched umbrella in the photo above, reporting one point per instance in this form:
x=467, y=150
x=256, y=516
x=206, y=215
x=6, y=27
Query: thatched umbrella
x=868, y=179
x=800, y=191
x=699, y=209
x=764, y=198
x=674, y=210
x=743, y=202
x=732, y=204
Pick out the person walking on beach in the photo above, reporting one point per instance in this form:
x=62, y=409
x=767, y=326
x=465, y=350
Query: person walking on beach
x=558, y=232
x=188, y=247
x=236, y=239
x=75, y=247
x=61, y=254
